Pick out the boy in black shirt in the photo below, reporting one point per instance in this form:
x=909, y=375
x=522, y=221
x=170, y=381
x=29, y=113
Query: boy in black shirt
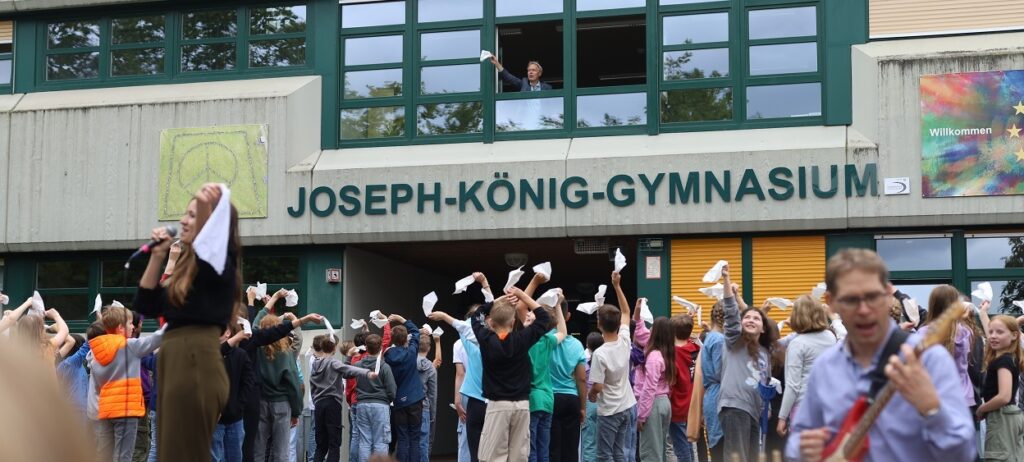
x=507, y=375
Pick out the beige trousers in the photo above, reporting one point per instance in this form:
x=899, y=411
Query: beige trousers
x=506, y=433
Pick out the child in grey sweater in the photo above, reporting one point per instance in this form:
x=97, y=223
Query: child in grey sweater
x=327, y=385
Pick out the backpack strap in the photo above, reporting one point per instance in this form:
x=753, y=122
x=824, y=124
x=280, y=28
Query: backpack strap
x=878, y=378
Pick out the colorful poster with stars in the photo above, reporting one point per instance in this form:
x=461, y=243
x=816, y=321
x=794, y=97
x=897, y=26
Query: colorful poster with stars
x=972, y=134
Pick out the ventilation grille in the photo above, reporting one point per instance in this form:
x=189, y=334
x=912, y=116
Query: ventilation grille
x=591, y=246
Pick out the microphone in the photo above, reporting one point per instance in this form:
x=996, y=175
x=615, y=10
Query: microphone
x=171, y=232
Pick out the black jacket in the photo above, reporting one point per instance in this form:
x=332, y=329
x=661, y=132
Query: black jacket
x=242, y=378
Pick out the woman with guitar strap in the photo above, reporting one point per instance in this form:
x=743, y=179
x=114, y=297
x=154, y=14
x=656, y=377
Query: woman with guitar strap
x=917, y=411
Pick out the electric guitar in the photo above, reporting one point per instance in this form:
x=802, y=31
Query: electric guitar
x=851, y=442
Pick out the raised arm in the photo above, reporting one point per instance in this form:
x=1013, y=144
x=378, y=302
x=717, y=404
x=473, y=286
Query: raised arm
x=623, y=304
x=641, y=333
x=157, y=256
x=11, y=318
x=535, y=282
x=733, y=332
x=69, y=343
x=983, y=314
x=438, y=355
x=561, y=330
x=485, y=287
x=62, y=328
x=269, y=306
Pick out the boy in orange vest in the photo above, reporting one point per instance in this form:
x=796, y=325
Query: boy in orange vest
x=115, y=361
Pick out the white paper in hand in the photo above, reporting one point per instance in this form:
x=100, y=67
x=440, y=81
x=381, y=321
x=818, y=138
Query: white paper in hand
x=358, y=324
x=291, y=299
x=462, y=284
x=246, y=326
x=818, y=291
x=550, y=298
x=687, y=305
x=330, y=330
x=715, y=273
x=591, y=307
x=599, y=296
x=513, y=278
x=620, y=261
x=983, y=292
x=1019, y=304
x=545, y=269
x=116, y=304
x=716, y=291
x=97, y=305
x=645, y=312
x=378, y=319
x=261, y=290
x=211, y=244
x=4, y=299
x=437, y=332
x=485, y=55
x=780, y=302
x=37, y=304
x=376, y=367
x=429, y=301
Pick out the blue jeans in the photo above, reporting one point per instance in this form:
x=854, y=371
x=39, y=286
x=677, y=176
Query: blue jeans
x=227, y=442
x=425, y=435
x=588, y=434
x=631, y=438
x=463, y=439
x=540, y=436
x=152, y=436
x=681, y=445
x=406, y=422
x=612, y=433
x=353, y=437
x=373, y=429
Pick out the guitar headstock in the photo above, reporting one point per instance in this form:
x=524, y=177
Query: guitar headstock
x=941, y=329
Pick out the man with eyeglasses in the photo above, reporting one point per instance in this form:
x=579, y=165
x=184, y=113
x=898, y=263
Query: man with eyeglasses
x=532, y=81
x=927, y=418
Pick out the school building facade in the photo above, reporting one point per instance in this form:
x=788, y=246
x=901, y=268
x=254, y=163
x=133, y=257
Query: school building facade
x=377, y=157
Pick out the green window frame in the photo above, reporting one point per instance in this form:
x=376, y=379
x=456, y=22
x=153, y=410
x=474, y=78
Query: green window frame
x=165, y=56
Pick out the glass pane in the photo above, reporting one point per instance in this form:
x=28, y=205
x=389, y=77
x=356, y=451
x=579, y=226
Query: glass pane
x=449, y=118
x=696, y=28
x=62, y=275
x=784, y=59
x=696, y=105
x=783, y=22
x=278, y=20
x=373, y=50
x=374, y=122
x=137, y=61
x=73, y=66
x=71, y=307
x=918, y=291
x=915, y=253
x=450, y=45
x=611, y=110
x=684, y=2
x=72, y=34
x=995, y=252
x=588, y=5
x=212, y=57
x=208, y=24
x=5, y=71
x=797, y=100
x=284, y=52
x=525, y=7
x=372, y=14
x=450, y=10
x=696, y=64
x=114, y=275
x=271, y=270
x=373, y=84
x=529, y=114
x=137, y=29
x=450, y=79
x=1003, y=295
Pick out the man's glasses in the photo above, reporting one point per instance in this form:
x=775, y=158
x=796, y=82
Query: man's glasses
x=873, y=300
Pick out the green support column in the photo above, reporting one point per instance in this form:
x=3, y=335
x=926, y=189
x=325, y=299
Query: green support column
x=25, y=55
x=959, y=250
x=747, y=246
x=324, y=19
x=655, y=290
x=19, y=278
x=836, y=242
x=321, y=296
x=847, y=25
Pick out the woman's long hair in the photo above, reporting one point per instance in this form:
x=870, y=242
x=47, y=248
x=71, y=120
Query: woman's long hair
x=663, y=340
x=808, y=316
x=766, y=339
x=941, y=299
x=31, y=334
x=279, y=346
x=180, y=283
x=1010, y=323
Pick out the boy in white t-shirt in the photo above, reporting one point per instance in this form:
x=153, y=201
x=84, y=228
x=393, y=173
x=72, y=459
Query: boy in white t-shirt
x=609, y=372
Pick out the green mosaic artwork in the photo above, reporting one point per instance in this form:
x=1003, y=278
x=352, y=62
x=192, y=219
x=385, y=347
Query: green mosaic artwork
x=235, y=155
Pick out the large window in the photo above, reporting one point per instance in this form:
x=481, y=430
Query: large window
x=173, y=44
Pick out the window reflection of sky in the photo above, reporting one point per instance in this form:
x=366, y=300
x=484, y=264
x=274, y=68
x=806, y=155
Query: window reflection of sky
x=525, y=7
x=449, y=10
x=997, y=294
x=450, y=45
x=696, y=28
x=373, y=50
x=915, y=254
x=372, y=14
x=919, y=292
x=611, y=110
x=711, y=63
x=587, y=5
x=989, y=252
x=775, y=101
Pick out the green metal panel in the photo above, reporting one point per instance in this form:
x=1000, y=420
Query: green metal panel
x=19, y=277
x=322, y=17
x=747, y=246
x=959, y=253
x=836, y=242
x=25, y=60
x=846, y=24
x=656, y=291
x=320, y=296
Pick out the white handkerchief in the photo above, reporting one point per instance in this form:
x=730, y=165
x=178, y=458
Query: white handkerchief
x=462, y=284
x=913, y=313
x=437, y=332
x=357, y=324
x=117, y=304
x=378, y=319
x=782, y=324
x=361, y=348
x=330, y=329
x=550, y=298
x=818, y=291
x=426, y=326
x=599, y=296
x=686, y=304
x=261, y=290
x=4, y=299
x=699, y=321
x=376, y=314
x=776, y=384
x=98, y=305
x=485, y=55
x=780, y=302
x=588, y=308
x=211, y=244
x=429, y=301
x=645, y=312
x=380, y=323
x=543, y=268
x=513, y=278
x=983, y=292
x=715, y=273
x=620, y=261
x=37, y=304
x=291, y=299
x=380, y=357
x=1019, y=304
x=716, y=291
x=246, y=326
x=488, y=296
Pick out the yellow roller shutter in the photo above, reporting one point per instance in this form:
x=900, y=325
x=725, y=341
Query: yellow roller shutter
x=691, y=258
x=892, y=18
x=6, y=31
x=786, y=267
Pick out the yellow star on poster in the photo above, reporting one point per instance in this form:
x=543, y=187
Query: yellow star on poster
x=1020, y=154
x=1019, y=107
x=1014, y=131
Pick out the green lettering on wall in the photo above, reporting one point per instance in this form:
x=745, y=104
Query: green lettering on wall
x=349, y=195
x=677, y=190
x=724, y=189
x=582, y=198
x=301, y=208
x=315, y=194
x=526, y=191
x=651, y=187
x=400, y=194
x=775, y=177
x=375, y=194
x=803, y=182
x=469, y=195
x=510, y=195
x=749, y=185
x=629, y=193
x=816, y=182
x=870, y=179
x=422, y=197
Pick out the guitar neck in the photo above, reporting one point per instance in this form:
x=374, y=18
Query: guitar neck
x=860, y=432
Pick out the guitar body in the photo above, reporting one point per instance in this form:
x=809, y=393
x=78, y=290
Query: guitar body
x=834, y=451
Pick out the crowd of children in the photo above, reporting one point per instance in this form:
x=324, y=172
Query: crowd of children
x=672, y=389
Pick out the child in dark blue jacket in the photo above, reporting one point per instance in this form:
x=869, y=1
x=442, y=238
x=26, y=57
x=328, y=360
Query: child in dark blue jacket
x=407, y=412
